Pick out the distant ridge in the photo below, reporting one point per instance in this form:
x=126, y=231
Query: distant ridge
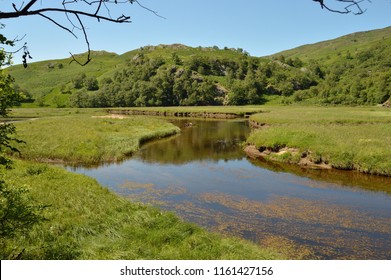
x=357, y=40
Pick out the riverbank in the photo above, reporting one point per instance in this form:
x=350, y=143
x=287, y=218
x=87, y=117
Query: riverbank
x=321, y=137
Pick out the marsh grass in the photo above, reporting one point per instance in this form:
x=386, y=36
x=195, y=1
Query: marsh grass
x=345, y=138
x=76, y=138
x=87, y=221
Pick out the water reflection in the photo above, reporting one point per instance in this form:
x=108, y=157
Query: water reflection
x=204, y=177
x=352, y=179
x=199, y=140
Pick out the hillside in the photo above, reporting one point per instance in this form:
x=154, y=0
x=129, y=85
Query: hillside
x=352, y=43
x=351, y=70
x=164, y=75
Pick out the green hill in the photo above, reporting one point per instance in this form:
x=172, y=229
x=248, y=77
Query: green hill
x=351, y=70
x=329, y=49
x=168, y=75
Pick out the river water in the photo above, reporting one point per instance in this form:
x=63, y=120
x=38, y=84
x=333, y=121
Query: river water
x=204, y=176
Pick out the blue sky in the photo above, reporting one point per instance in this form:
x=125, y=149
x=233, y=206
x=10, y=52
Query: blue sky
x=261, y=27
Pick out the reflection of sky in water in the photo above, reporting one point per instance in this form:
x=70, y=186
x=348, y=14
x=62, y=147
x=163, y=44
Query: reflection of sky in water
x=235, y=177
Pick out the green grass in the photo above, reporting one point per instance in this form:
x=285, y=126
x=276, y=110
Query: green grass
x=68, y=136
x=86, y=221
x=41, y=77
x=323, y=115
x=344, y=137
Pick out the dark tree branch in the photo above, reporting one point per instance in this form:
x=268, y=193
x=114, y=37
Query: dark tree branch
x=87, y=42
x=68, y=9
x=348, y=6
x=148, y=9
x=29, y=5
x=17, y=14
x=59, y=25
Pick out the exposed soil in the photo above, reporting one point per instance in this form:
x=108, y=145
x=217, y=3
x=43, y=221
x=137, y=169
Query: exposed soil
x=112, y=116
x=255, y=153
x=387, y=104
x=255, y=125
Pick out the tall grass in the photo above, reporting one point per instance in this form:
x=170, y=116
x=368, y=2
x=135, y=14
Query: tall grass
x=86, y=221
x=88, y=139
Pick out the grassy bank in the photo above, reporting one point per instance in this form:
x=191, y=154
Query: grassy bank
x=85, y=137
x=345, y=138
x=86, y=221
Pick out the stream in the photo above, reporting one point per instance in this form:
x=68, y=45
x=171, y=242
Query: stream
x=204, y=176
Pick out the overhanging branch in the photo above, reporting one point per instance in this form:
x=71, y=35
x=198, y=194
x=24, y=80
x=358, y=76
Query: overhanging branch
x=72, y=13
x=348, y=6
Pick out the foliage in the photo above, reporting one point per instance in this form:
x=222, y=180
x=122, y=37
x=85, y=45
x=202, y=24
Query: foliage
x=17, y=212
x=197, y=80
x=82, y=81
x=8, y=98
x=353, y=69
x=161, y=76
x=363, y=78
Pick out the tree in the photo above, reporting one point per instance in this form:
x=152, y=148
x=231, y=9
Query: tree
x=78, y=81
x=17, y=213
x=8, y=98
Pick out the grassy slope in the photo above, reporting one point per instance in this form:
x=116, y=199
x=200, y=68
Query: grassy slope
x=346, y=138
x=39, y=78
x=328, y=50
x=86, y=221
